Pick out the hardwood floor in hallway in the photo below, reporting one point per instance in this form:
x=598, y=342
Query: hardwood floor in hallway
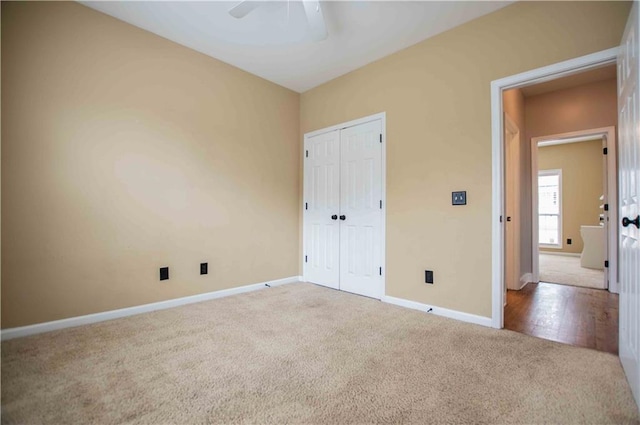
x=569, y=314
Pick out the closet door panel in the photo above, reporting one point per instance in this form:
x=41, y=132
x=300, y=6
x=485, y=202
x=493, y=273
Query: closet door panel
x=361, y=209
x=322, y=202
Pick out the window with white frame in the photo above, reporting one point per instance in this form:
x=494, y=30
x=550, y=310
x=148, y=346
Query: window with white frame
x=550, y=208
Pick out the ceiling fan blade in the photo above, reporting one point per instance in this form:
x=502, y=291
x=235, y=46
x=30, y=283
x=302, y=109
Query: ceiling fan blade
x=315, y=19
x=243, y=8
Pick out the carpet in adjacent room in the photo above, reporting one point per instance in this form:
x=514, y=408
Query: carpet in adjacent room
x=566, y=270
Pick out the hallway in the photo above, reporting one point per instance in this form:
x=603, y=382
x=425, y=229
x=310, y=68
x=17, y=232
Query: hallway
x=578, y=316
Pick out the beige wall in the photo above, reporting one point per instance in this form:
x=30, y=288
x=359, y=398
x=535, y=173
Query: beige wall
x=582, y=178
x=437, y=98
x=513, y=105
x=123, y=152
x=578, y=108
x=583, y=107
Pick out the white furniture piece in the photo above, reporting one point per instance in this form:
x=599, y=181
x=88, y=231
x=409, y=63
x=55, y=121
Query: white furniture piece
x=593, y=252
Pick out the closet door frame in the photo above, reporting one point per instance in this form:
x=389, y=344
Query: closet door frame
x=383, y=120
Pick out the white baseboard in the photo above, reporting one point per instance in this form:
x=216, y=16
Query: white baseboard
x=524, y=279
x=444, y=312
x=131, y=311
x=566, y=254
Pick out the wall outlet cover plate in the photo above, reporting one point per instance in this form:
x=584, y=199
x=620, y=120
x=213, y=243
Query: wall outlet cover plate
x=164, y=273
x=428, y=276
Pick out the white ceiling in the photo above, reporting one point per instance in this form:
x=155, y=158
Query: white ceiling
x=273, y=41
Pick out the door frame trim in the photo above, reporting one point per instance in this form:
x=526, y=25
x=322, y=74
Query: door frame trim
x=611, y=190
x=539, y=75
x=382, y=116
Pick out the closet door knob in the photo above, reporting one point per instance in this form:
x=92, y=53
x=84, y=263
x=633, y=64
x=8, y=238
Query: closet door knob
x=626, y=222
x=334, y=217
x=343, y=217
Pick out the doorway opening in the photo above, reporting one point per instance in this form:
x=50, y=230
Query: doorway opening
x=574, y=237
x=567, y=224
x=554, y=194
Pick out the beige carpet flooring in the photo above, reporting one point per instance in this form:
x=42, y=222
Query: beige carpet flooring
x=566, y=270
x=301, y=353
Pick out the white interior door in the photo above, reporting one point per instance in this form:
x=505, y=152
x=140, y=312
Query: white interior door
x=512, y=204
x=322, y=206
x=361, y=209
x=604, y=217
x=629, y=176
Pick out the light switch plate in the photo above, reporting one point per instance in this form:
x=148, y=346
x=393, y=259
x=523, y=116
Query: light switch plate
x=459, y=198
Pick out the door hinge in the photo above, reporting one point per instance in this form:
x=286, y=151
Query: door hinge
x=380, y=137
x=305, y=258
x=306, y=205
x=606, y=263
x=306, y=154
x=604, y=151
x=500, y=219
x=380, y=203
x=606, y=207
x=380, y=271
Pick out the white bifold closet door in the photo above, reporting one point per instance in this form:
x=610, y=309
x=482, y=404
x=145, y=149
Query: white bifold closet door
x=343, y=209
x=322, y=205
x=361, y=208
